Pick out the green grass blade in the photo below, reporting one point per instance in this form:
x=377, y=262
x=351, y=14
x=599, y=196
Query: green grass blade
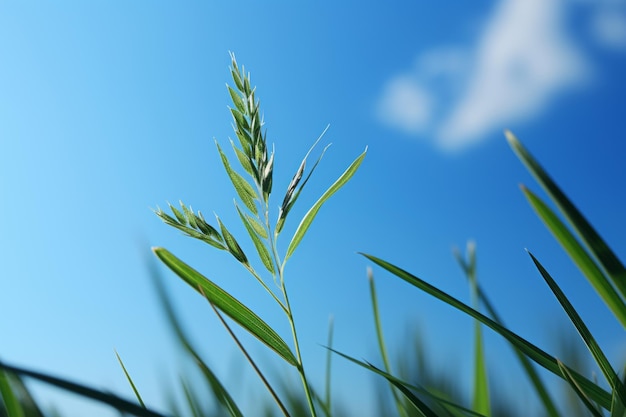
x=618, y=408
x=193, y=402
x=218, y=390
x=601, y=251
x=130, y=381
x=228, y=304
x=529, y=369
x=329, y=342
x=406, y=387
x=310, y=215
x=480, y=401
x=381, y=340
x=585, y=334
x=244, y=189
x=580, y=257
x=8, y=398
x=105, y=398
x=579, y=391
x=533, y=352
x=261, y=249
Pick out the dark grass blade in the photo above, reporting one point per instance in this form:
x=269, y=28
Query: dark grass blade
x=8, y=397
x=579, y=255
x=585, y=334
x=232, y=307
x=601, y=251
x=130, y=381
x=114, y=401
x=406, y=388
x=533, y=352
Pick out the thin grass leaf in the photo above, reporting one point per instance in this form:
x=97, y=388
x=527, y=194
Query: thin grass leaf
x=580, y=257
x=192, y=399
x=310, y=215
x=407, y=386
x=529, y=369
x=585, y=334
x=228, y=304
x=8, y=398
x=244, y=190
x=533, y=352
x=480, y=400
x=251, y=361
x=84, y=391
x=130, y=381
x=231, y=242
x=581, y=394
x=329, y=342
x=381, y=340
x=592, y=240
x=618, y=408
x=218, y=390
x=264, y=254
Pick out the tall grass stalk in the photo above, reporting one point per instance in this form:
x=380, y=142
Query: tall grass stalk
x=253, y=192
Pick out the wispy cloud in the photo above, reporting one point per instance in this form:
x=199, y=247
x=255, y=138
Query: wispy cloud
x=522, y=59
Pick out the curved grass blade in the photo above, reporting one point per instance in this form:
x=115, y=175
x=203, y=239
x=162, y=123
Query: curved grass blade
x=109, y=399
x=244, y=189
x=381, y=340
x=404, y=386
x=264, y=254
x=581, y=394
x=8, y=399
x=585, y=334
x=533, y=352
x=580, y=257
x=130, y=381
x=219, y=392
x=234, y=309
x=329, y=342
x=601, y=251
x=310, y=215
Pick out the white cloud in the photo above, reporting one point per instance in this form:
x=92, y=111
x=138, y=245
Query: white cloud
x=521, y=61
x=405, y=105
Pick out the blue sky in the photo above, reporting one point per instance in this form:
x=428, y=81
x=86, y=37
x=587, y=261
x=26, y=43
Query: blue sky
x=110, y=109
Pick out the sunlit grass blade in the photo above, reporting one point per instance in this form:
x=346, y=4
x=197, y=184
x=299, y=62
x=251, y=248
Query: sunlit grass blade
x=580, y=257
x=601, y=251
x=404, y=386
x=8, y=398
x=480, y=400
x=105, y=398
x=231, y=243
x=529, y=369
x=228, y=304
x=533, y=352
x=218, y=390
x=251, y=361
x=581, y=394
x=130, y=381
x=310, y=215
x=381, y=340
x=585, y=334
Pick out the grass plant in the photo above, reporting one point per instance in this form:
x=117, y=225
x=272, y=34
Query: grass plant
x=425, y=393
